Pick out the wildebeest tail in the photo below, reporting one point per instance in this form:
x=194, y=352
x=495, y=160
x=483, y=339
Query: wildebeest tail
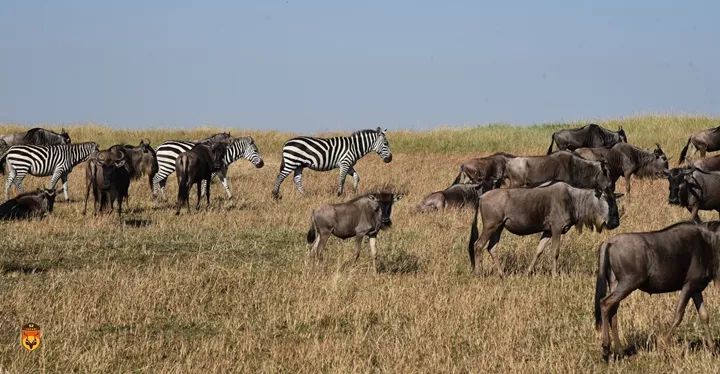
x=602, y=281
x=552, y=141
x=462, y=177
x=311, y=232
x=683, y=153
x=474, y=234
x=183, y=185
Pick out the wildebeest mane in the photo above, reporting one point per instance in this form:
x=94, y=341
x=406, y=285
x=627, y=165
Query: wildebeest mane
x=40, y=136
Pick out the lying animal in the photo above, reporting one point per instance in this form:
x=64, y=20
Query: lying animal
x=360, y=217
x=36, y=203
x=683, y=257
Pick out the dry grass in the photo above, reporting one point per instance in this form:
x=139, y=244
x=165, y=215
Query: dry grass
x=227, y=289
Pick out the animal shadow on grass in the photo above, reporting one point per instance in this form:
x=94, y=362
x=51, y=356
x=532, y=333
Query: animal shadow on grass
x=133, y=222
x=13, y=267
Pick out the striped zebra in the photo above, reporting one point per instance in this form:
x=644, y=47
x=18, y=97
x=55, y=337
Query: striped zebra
x=324, y=154
x=242, y=147
x=43, y=161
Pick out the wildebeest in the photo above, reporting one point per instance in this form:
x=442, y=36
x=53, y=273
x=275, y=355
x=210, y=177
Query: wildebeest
x=588, y=136
x=141, y=160
x=108, y=173
x=483, y=169
x=196, y=166
x=625, y=160
x=551, y=210
x=560, y=166
x=362, y=216
x=703, y=141
x=28, y=205
x=37, y=136
x=683, y=257
x=455, y=196
x=694, y=189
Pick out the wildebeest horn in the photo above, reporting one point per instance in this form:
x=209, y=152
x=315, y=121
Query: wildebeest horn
x=618, y=194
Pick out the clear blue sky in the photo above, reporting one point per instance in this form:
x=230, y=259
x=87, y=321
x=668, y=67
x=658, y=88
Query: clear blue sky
x=342, y=65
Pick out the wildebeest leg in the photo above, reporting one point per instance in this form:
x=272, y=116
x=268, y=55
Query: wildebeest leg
x=355, y=177
x=544, y=239
x=695, y=213
x=685, y=294
x=199, y=194
x=555, y=243
x=475, y=251
x=492, y=246
x=628, y=178
x=297, y=178
x=704, y=318
x=323, y=238
x=207, y=192
x=358, y=245
x=608, y=310
x=373, y=252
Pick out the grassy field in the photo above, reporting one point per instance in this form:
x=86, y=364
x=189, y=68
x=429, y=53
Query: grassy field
x=227, y=289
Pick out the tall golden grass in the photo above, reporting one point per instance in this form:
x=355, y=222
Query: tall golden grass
x=227, y=289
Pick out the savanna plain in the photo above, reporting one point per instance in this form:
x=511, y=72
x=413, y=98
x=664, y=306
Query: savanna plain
x=227, y=289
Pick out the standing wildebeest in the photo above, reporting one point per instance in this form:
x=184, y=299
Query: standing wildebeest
x=550, y=210
x=489, y=168
x=108, y=173
x=591, y=135
x=625, y=160
x=29, y=204
x=168, y=152
x=360, y=217
x=694, y=189
x=141, y=160
x=703, y=141
x=324, y=154
x=194, y=167
x=455, y=196
x=683, y=257
x=37, y=136
x=562, y=166
x=42, y=161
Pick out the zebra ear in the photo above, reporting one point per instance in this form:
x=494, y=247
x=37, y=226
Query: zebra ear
x=378, y=130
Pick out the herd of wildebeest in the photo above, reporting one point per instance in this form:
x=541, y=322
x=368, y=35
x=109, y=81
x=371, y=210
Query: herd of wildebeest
x=572, y=185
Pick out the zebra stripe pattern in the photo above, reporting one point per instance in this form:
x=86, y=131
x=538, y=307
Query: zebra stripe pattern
x=168, y=152
x=43, y=161
x=323, y=154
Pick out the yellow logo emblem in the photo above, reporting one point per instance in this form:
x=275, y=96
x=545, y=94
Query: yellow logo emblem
x=30, y=336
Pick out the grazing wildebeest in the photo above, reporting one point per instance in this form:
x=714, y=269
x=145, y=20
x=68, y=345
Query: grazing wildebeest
x=108, y=173
x=324, y=154
x=703, y=141
x=694, y=189
x=590, y=135
x=360, y=217
x=551, y=210
x=627, y=160
x=37, y=136
x=29, y=204
x=489, y=168
x=195, y=166
x=455, y=196
x=560, y=166
x=683, y=257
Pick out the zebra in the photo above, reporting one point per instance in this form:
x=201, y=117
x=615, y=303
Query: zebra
x=43, y=161
x=168, y=152
x=324, y=154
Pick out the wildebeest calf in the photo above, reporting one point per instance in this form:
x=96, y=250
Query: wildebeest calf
x=455, y=196
x=360, y=217
x=683, y=257
x=196, y=166
x=29, y=204
x=694, y=189
x=550, y=210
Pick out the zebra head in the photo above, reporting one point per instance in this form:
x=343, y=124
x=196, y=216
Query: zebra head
x=252, y=154
x=85, y=150
x=381, y=145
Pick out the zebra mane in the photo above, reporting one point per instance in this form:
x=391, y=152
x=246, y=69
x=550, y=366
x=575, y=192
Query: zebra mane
x=362, y=132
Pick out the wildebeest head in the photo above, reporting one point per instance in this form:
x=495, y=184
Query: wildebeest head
x=381, y=145
x=252, y=154
x=621, y=134
x=606, y=212
x=49, y=195
x=676, y=177
x=383, y=205
x=110, y=161
x=217, y=150
x=65, y=136
x=658, y=167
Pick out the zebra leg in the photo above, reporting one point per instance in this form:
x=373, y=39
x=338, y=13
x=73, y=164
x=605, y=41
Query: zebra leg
x=341, y=181
x=278, y=181
x=224, y=182
x=355, y=177
x=155, y=186
x=9, y=181
x=18, y=182
x=64, y=179
x=297, y=178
